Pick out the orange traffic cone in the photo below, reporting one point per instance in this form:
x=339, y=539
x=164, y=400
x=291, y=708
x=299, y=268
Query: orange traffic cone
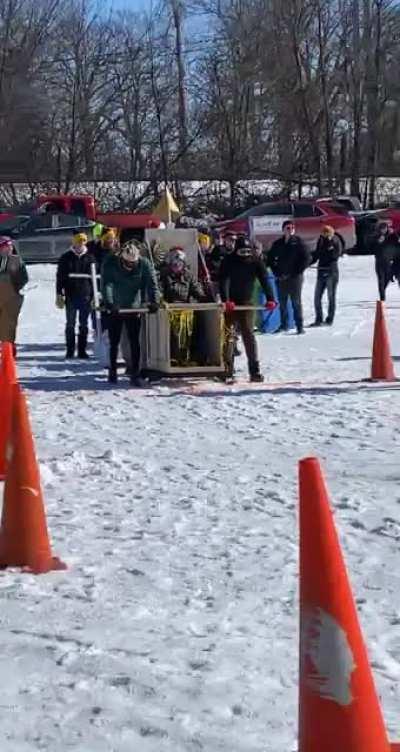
x=24, y=541
x=8, y=369
x=8, y=377
x=382, y=364
x=338, y=706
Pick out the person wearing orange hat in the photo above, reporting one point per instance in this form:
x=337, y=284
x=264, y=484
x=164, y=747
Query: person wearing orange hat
x=75, y=295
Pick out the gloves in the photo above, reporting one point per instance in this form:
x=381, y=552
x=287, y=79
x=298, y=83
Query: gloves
x=60, y=302
x=271, y=305
x=230, y=306
x=153, y=307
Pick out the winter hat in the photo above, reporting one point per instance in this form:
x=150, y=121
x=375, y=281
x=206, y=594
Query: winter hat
x=80, y=239
x=204, y=240
x=130, y=253
x=6, y=245
x=108, y=234
x=244, y=248
x=176, y=259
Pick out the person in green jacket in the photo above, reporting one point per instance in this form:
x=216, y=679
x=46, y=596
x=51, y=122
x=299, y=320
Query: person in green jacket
x=128, y=281
x=13, y=277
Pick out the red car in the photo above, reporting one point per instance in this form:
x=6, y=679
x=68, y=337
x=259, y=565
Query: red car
x=264, y=222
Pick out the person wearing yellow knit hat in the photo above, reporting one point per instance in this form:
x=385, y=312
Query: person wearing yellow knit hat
x=105, y=245
x=75, y=295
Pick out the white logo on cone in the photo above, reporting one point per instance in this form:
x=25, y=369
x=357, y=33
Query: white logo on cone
x=31, y=490
x=326, y=657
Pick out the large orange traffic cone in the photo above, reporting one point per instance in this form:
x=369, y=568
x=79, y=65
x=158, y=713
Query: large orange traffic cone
x=339, y=709
x=382, y=364
x=24, y=540
x=8, y=377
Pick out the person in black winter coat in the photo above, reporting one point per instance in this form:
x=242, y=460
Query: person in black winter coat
x=239, y=272
x=327, y=255
x=75, y=295
x=288, y=258
x=386, y=248
x=106, y=245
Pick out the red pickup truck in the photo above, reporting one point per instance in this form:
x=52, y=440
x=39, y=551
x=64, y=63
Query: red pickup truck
x=85, y=206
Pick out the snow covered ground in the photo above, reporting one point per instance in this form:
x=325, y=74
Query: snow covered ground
x=175, y=627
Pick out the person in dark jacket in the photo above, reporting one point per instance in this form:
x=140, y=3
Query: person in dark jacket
x=106, y=244
x=75, y=295
x=386, y=248
x=214, y=260
x=13, y=277
x=288, y=258
x=327, y=255
x=128, y=281
x=239, y=272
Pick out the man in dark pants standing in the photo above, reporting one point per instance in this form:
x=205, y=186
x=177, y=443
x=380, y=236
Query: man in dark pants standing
x=128, y=281
x=288, y=259
x=239, y=272
x=75, y=295
x=327, y=255
x=386, y=248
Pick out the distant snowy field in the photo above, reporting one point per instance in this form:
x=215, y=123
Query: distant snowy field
x=175, y=627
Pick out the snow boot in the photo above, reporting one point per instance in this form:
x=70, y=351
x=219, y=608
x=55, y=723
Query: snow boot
x=316, y=323
x=282, y=329
x=82, y=344
x=138, y=381
x=255, y=373
x=70, y=343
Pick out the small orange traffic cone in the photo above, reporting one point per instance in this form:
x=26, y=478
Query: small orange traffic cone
x=339, y=709
x=24, y=540
x=8, y=377
x=382, y=364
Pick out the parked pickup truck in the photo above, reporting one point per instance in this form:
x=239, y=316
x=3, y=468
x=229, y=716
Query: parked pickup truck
x=82, y=205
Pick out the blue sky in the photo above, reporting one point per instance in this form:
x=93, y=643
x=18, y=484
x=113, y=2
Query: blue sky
x=130, y=4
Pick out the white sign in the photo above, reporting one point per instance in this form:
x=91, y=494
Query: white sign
x=268, y=225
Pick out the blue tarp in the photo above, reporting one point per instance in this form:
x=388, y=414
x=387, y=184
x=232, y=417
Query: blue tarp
x=268, y=323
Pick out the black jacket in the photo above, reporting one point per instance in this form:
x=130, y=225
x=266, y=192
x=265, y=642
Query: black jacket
x=288, y=259
x=237, y=279
x=71, y=263
x=214, y=260
x=386, y=250
x=96, y=249
x=180, y=288
x=327, y=254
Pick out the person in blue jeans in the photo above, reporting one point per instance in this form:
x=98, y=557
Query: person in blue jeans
x=75, y=295
x=327, y=254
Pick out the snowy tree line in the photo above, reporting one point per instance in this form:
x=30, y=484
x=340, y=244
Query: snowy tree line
x=300, y=91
